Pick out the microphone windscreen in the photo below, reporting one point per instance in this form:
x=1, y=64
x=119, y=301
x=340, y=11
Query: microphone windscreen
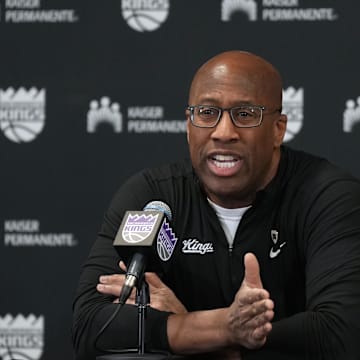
x=158, y=205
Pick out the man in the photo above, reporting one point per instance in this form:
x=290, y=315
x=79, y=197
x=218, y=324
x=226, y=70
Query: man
x=278, y=270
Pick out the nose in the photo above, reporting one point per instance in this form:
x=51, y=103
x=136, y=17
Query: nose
x=225, y=130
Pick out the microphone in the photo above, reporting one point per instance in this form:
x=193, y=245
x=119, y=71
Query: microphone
x=144, y=240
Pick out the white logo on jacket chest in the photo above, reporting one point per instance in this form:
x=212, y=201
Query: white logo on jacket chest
x=276, y=248
x=194, y=246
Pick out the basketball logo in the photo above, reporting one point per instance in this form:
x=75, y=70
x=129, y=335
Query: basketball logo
x=166, y=242
x=138, y=228
x=22, y=337
x=22, y=113
x=145, y=15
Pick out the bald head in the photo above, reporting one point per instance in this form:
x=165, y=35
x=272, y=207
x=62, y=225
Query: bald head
x=244, y=71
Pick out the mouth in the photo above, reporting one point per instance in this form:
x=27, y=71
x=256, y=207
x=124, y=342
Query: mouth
x=224, y=164
x=224, y=161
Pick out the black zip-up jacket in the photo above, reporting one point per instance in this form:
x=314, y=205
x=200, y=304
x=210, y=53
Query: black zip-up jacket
x=304, y=228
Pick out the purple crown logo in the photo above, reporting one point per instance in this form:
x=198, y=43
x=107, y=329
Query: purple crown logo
x=138, y=228
x=166, y=242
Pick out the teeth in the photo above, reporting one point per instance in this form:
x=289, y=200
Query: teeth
x=228, y=164
x=224, y=158
x=224, y=161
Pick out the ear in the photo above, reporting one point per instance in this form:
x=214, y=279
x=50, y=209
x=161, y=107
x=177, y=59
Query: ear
x=279, y=130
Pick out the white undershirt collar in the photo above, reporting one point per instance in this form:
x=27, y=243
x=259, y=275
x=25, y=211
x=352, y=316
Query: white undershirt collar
x=229, y=219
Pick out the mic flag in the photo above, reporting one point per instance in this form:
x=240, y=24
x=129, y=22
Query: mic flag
x=147, y=232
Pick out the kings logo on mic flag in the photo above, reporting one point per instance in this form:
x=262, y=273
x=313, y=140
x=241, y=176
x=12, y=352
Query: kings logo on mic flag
x=139, y=229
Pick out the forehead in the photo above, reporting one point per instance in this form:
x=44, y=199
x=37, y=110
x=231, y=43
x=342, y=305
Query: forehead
x=234, y=82
x=225, y=89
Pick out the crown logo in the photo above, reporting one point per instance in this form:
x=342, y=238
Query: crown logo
x=104, y=112
x=293, y=105
x=293, y=96
x=351, y=115
x=22, y=337
x=22, y=96
x=22, y=322
x=138, y=228
x=166, y=242
x=142, y=219
x=229, y=7
x=22, y=115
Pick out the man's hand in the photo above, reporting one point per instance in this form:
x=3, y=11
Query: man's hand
x=246, y=323
x=252, y=310
x=161, y=297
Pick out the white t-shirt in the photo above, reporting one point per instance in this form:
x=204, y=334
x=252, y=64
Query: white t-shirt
x=229, y=220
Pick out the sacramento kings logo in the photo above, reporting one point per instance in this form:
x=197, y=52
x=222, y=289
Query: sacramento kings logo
x=22, y=113
x=21, y=338
x=145, y=15
x=293, y=107
x=166, y=242
x=138, y=227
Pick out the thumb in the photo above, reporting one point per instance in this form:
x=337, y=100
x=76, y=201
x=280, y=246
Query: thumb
x=252, y=271
x=153, y=279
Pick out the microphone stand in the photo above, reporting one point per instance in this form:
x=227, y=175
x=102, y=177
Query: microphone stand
x=142, y=302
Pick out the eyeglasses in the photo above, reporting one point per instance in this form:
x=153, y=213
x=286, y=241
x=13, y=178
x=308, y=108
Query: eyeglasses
x=245, y=116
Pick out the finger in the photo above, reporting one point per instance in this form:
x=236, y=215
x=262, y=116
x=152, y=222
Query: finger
x=265, y=308
x=122, y=266
x=112, y=279
x=262, y=305
x=153, y=280
x=263, y=318
x=115, y=290
x=252, y=271
x=261, y=332
x=109, y=289
x=251, y=296
x=257, y=313
x=260, y=324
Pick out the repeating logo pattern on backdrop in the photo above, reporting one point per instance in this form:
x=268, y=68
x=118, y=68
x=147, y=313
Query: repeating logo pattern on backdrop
x=26, y=233
x=140, y=119
x=351, y=116
x=104, y=112
x=275, y=10
x=151, y=119
x=31, y=11
x=145, y=15
x=229, y=7
x=21, y=338
x=22, y=113
x=293, y=107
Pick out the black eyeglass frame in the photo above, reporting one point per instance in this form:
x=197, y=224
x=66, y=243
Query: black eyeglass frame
x=221, y=110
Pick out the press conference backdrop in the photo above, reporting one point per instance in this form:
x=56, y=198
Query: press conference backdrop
x=93, y=91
